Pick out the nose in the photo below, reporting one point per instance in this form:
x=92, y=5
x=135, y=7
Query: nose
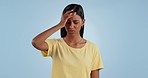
x=71, y=25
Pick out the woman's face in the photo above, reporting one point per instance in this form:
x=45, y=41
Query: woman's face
x=74, y=24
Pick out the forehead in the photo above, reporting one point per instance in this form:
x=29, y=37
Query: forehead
x=75, y=17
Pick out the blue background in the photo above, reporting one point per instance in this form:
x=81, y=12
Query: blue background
x=118, y=27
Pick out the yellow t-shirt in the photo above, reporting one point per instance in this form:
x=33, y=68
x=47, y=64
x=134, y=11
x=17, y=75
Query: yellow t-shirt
x=68, y=62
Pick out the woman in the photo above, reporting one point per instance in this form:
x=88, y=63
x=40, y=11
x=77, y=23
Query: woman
x=72, y=55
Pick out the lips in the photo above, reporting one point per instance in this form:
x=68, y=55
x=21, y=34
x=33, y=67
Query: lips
x=71, y=31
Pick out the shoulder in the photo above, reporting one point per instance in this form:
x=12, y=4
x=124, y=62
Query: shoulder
x=54, y=40
x=94, y=47
x=91, y=44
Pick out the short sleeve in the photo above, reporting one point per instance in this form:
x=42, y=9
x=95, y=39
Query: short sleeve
x=51, y=47
x=97, y=60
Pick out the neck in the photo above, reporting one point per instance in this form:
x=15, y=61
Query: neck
x=72, y=38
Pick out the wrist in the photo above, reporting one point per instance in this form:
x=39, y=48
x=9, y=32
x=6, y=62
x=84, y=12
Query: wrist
x=60, y=25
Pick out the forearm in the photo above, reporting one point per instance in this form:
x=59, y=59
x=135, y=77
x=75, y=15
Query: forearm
x=94, y=74
x=44, y=35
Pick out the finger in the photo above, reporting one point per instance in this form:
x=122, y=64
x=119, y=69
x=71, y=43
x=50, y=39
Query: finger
x=68, y=14
x=72, y=14
x=70, y=11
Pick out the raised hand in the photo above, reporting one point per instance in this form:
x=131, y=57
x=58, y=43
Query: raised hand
x=66, y=16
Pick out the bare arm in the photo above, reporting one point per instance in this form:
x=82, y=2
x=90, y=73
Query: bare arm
x=94, y=74
x=39, y=41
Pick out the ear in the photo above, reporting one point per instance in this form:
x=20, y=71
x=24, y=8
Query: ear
x=83, y=21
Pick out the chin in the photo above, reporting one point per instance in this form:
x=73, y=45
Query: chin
x=71, y=33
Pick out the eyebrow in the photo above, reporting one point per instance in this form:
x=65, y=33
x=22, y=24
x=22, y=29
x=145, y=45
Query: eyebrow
x=75, y=20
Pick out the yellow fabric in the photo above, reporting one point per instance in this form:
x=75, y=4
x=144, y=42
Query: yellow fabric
x=68, y=62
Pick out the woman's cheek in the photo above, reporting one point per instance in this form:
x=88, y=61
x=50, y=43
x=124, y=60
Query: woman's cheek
x=78, y=25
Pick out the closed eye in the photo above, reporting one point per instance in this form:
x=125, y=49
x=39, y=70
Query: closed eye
x=76, y=21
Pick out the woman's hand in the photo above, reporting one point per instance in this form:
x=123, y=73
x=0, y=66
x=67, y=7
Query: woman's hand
x=66, y=16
